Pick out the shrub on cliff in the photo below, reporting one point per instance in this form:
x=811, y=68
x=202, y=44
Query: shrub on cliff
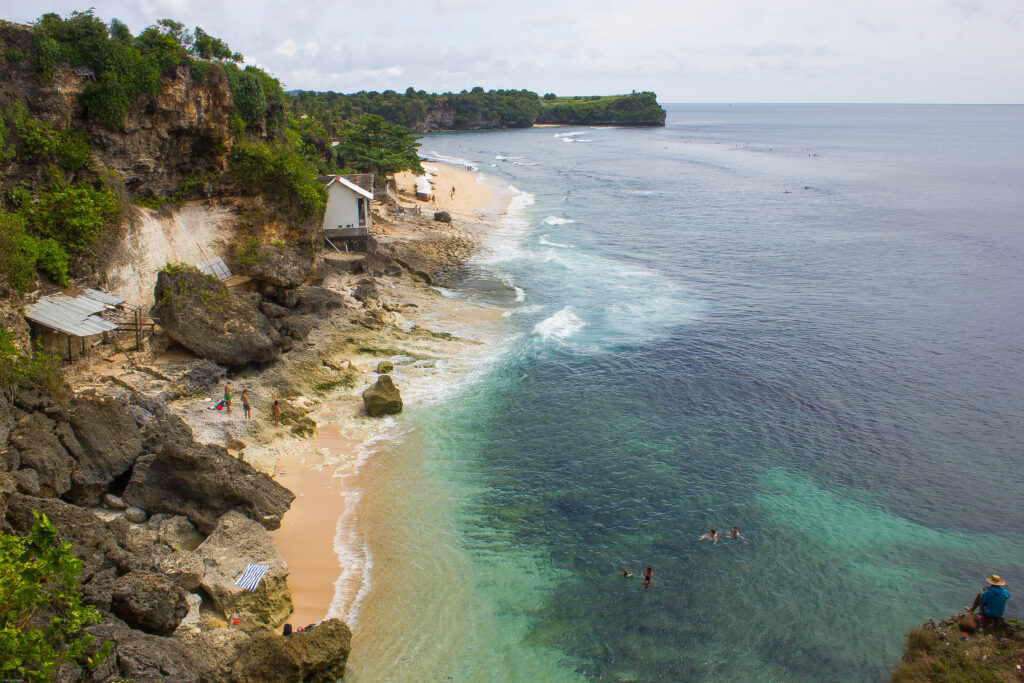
x=21, y=254
x=280, y=171
x=41, y=610
x=75, y=215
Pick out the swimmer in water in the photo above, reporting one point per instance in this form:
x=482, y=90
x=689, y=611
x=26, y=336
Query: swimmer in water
x=626, y=574
x=735, y=533
x=648, y=577
x=710, y=536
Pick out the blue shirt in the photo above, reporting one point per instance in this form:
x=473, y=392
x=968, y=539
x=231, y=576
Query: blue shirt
x=993, y=601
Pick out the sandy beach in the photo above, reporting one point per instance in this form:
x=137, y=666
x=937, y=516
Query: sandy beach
x=322, y=538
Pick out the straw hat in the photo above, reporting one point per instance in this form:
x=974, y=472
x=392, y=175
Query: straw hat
x=995, y=580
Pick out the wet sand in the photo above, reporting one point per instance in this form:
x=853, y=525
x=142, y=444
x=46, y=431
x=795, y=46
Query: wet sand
x=323, y=536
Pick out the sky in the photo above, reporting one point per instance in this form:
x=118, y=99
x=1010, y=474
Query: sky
x=916, y=51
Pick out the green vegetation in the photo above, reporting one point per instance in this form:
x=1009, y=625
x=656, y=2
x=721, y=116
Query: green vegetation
x=249, y=252
x=41, y=610
x=212, y=292
x=638, y=107
x=21, y=254
x=960, y=657
x=73, y=214
x=476, y=108
x=372, y=144
x=279, y=170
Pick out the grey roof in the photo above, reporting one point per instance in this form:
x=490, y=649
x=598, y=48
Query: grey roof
x=215, y=267
x=104, y=297
x=75, y=315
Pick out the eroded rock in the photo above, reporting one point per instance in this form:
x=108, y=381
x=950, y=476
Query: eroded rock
x=316, y=655
x=149, y=602
x=226, y=553
x=382, y=398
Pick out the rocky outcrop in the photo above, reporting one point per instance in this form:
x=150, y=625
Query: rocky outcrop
x=183, y=568
x=203, y=482
x=35, y=443
x=138, y=657
x=226, y=553
x=277, y=265
x=212, y=321
x=442, y=217
x=382, y=398
x=434, y=258
x=384, y=367
x=149, y=602
x=316, y=655
x=105, y=443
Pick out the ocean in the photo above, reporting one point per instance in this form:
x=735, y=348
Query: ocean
x=806, y=321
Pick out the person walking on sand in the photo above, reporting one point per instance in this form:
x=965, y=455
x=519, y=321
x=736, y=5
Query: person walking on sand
x=648, y=576
x=275, y=410
x=453, y=193
x=227, y=397
x=710, y=536
x=246, y=408
x=992, y=601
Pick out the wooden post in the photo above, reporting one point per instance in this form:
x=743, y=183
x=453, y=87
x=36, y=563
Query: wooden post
x=138, y=330
x=69, y=347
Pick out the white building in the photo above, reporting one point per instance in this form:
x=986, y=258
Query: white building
x=348, y=205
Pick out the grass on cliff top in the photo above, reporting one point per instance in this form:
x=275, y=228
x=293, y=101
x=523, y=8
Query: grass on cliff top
x=980, y=656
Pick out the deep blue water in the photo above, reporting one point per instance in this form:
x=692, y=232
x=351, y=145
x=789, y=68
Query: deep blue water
x=806, y=321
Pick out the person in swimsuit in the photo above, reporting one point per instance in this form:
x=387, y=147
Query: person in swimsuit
x=227, y=397
x=648, y=577
x=710, y=536
x=245, y=404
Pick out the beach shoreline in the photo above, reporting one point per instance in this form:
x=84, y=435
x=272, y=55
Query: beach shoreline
x=322, y=538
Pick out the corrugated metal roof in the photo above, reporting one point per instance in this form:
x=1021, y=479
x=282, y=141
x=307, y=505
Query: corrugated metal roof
x=108, y=299
x=70, y=315
x=215, y=267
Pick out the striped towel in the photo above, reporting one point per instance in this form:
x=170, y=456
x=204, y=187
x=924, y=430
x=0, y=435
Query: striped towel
x=251, y=576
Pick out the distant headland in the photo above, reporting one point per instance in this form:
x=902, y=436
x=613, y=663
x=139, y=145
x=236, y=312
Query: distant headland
x=425, y=112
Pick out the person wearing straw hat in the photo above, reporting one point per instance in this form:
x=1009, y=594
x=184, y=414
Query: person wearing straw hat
x=992, y=601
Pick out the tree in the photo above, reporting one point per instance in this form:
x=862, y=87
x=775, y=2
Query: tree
x=41, y=610
x=370, y=144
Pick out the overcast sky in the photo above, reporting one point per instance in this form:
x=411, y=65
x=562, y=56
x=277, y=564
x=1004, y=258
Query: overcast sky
x=686, y=51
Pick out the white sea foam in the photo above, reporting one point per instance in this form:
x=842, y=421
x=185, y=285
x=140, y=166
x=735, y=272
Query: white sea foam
x=548, y=243
x=577, y=140
x=561, y=325
x=570, y=134
x=643, y=193
x=520, y=294
x=557, y=220
x=453, y=160
x=446, y=293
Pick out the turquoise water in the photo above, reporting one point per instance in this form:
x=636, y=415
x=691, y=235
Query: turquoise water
x=805, y=321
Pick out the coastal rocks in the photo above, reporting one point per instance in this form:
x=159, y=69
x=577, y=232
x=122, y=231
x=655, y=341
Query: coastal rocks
x=316, y=655
x=212, y=321
x=136, y=656
x=149, y=602
x=382, y=398
x=202, y=482
x=384, y=367
x=178, y=533
x=201, y=376
x=135, y=515
x=37, y=447
x=105, y=443
x=113, y=502
x=183, y=568
x=226, y=553
x=442, y=217
x=276, y=265
x=215, y=650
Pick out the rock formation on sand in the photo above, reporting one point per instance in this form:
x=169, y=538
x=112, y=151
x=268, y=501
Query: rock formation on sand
x=382, y=398
x=226, y=552
x=138, y=574
x=212, y=321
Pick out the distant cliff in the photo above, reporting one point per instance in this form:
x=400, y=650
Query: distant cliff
x=478, y=109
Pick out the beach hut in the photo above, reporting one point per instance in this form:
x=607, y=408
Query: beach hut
x=347, y=217
x=63, y=322
x=424, y=190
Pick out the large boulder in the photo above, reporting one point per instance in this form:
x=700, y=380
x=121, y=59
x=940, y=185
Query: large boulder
x=215, y=651
x=204, y=316
x=316, y=655
x=275, y=265
x=105, y=443
x=202, y=482
x=38, y=448
x=149, y=602
x=138, y=657
x=226, y=553
x=183, y=568
x=91, y=541
x=382, y=398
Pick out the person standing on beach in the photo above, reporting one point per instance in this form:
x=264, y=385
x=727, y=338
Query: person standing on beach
x=276, y=412
x=453, y=193
x=246, y=408
x=227, y=397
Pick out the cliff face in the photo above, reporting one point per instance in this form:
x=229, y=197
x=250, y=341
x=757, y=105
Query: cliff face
x=180, y=133
x=443, y=117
